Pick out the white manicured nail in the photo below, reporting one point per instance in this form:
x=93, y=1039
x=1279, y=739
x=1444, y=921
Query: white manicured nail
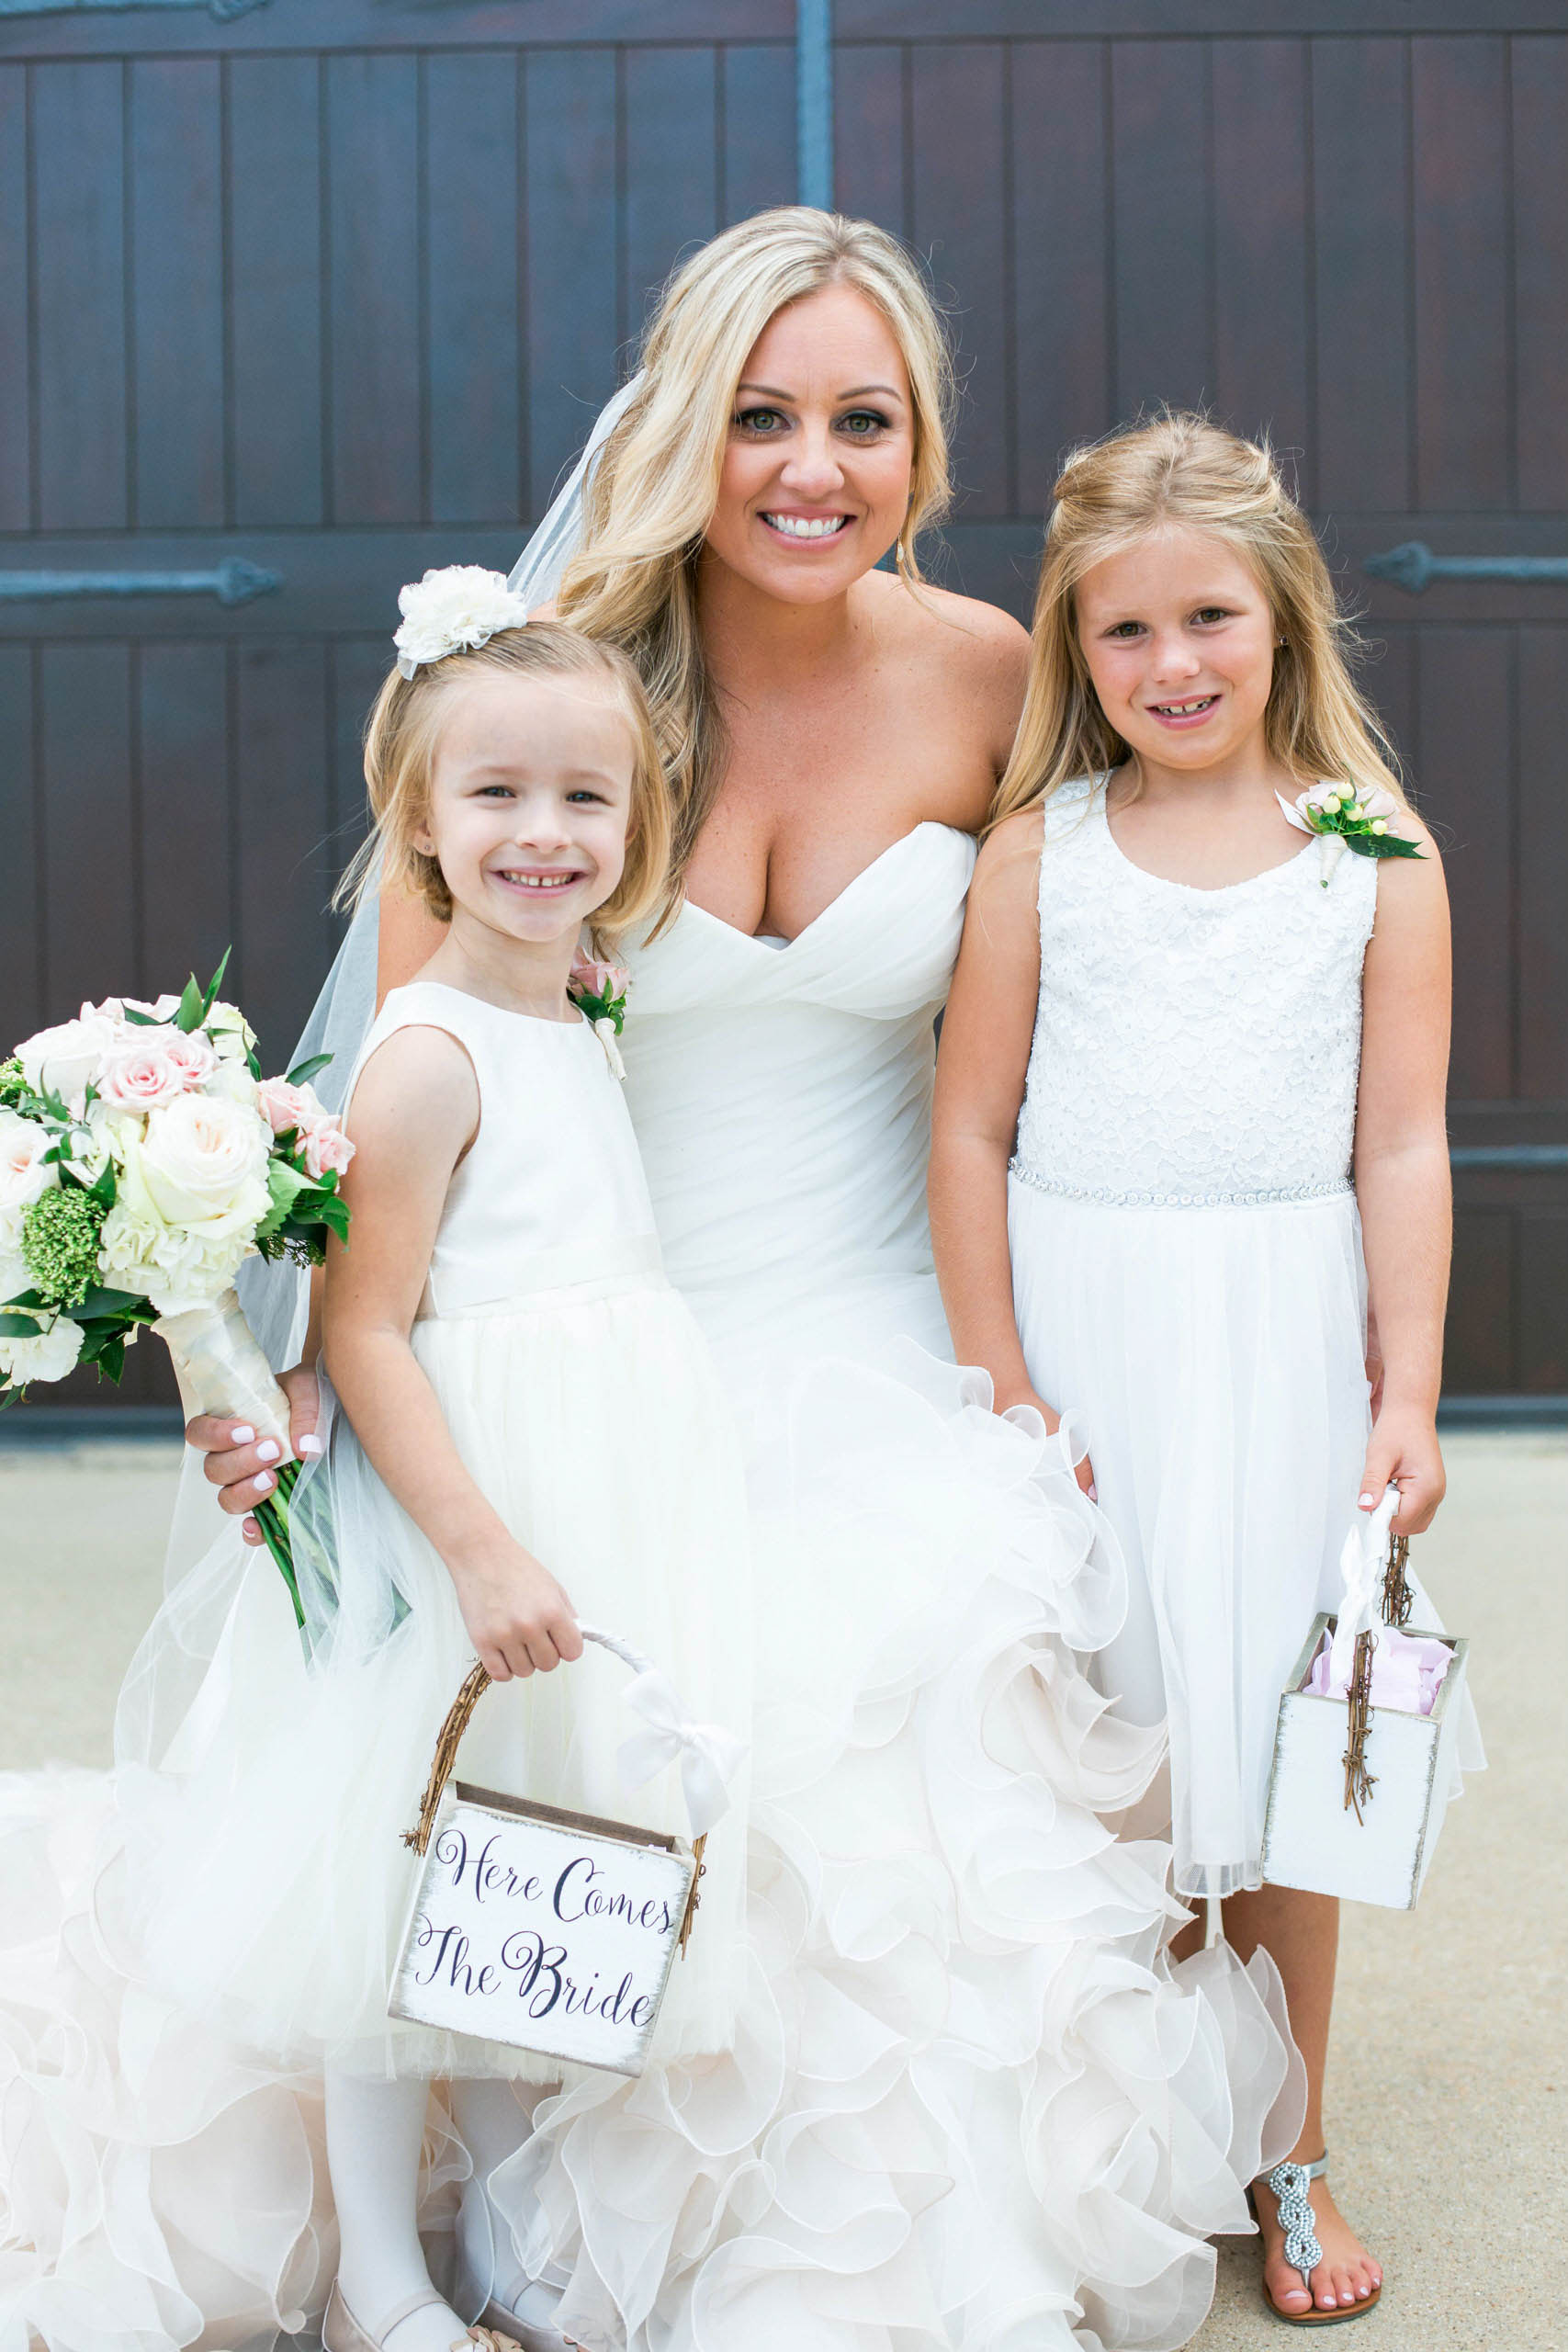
x=264, y=1483
x=311, y=1446
x=241, y=1434
x=1367, y=1501
x=268, y=1450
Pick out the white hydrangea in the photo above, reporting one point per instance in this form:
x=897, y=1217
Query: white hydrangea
x=49, y=1355
x=461, y=604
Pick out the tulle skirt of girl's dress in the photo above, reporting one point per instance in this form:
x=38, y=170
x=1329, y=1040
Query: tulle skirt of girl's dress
x=266, y=1878
x=1217, y=1355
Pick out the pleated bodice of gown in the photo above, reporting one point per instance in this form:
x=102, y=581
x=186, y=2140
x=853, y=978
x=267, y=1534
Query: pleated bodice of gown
x=780, y=1096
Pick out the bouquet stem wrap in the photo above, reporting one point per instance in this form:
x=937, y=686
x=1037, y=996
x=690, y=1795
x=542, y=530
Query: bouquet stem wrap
x=220, y=1370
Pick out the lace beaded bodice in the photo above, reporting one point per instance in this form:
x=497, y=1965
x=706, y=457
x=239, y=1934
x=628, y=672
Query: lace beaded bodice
x=1191, y=1045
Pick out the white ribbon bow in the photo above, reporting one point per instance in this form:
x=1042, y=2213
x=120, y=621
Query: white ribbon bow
x=1361, y=1561
x=709, y=1754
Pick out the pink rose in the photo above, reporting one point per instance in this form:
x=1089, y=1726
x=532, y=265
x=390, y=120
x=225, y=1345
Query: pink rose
x=151, y=1066
x=590, y=977
x=327, y=1150
x=283, y=1106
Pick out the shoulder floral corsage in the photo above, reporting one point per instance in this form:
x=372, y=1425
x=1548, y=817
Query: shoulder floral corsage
x=1344, y=818
x=599, y=989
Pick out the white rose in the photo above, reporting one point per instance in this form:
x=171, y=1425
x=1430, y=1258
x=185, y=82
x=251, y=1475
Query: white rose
x=67, y=1060
x=232, y=1080
x=15, y=1274
x=201, y=1163
x=24, y=1173
x=232, y=1035
x=164, y=1010
x=48, y=1356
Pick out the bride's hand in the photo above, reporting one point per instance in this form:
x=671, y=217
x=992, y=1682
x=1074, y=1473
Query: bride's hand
x=1084, y=1473
x=243, y=1471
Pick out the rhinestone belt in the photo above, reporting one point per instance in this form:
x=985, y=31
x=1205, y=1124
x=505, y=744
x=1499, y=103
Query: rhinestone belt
x=1327, y=1189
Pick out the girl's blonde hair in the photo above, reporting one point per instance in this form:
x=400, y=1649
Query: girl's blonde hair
x=1180, y=470
x=653, y=489
x=403, y=731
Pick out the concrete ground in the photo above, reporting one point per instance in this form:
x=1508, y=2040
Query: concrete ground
x=1449, y=2080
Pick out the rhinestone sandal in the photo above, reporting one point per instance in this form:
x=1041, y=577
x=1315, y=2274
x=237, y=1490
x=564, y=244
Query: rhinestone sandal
x=1288, y=2184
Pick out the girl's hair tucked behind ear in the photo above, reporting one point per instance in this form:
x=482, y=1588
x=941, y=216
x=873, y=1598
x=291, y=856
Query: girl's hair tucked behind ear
x=403, y=731
x=1183, y=471
x=652, y=493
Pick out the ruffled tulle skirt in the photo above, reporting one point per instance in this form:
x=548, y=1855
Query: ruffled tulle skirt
x=967, y=2102
x=1216, y=1356
x=970, y=2103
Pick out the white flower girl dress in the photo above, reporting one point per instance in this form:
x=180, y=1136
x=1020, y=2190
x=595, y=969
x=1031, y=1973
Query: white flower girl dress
x=266, y=1874
x=1188, y=1274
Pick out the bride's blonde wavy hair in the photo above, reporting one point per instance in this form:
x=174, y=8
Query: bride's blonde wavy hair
x=653, y=489
x=1178, y=469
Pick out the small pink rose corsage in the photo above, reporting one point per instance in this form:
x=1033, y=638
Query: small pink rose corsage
x=599, y=989
x=1343, y=817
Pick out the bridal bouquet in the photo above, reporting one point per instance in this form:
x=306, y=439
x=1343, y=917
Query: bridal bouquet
x=143, y=1156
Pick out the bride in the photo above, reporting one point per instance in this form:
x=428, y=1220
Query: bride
x=970, y=2101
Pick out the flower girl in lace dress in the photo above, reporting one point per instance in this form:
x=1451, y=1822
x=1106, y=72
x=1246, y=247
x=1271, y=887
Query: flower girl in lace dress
x=531, y=1425
x=1191, y=1070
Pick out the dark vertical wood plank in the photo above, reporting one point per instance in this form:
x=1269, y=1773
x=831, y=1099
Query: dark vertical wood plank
x=1162, y=205
x=374, y=226
x=186, y=918
x=21, y=965
x=1387, y=675
x=1543, y=865
x=960, y=224
x=870, y=161
x=1542, y=1242
x=274, y=234
x=1262, y=328
x=671, y=191
x=1460, y=150
x=758, y=152
x=177, y=279
x=570, y=213
x=1540, y=84
x=1361, y=237
x=358, y=666
x=85, y=724
x=1061, y=211
x=1468, y=787
x=472, y=350
x=284, y=940
x=16, y=390
x=79, y=260
x=1479, y=1350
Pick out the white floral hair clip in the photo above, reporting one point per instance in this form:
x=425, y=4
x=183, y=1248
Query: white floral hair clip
x=460, y=606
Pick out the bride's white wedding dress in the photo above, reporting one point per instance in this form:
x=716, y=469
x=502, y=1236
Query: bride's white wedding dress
x=970, y=2104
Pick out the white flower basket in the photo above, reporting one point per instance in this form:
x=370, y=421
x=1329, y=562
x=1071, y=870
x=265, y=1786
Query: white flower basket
x=550, y=1930
x=1358, y=1792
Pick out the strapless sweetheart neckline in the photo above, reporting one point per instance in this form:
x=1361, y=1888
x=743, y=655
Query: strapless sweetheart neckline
x=778, y=946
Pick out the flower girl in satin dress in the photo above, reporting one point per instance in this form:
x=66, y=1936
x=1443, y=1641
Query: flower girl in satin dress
x=530, y=1426
x=1174, y=1036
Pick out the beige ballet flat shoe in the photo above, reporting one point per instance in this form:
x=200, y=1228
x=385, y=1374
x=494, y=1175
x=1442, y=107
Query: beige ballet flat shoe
x=341, y=2332
x=510, y=2327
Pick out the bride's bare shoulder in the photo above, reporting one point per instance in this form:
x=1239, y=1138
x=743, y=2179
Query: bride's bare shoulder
x=977, y=653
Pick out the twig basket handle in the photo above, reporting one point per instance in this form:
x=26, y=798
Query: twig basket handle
x=460, y=1715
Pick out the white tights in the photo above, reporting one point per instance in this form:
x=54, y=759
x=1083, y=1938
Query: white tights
x=374, y=2135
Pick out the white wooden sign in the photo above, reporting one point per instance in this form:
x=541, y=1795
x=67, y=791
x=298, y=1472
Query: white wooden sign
x=552, y=1932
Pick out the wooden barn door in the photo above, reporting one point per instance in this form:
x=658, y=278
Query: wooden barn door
x=292, y=307
x=1345, y=221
